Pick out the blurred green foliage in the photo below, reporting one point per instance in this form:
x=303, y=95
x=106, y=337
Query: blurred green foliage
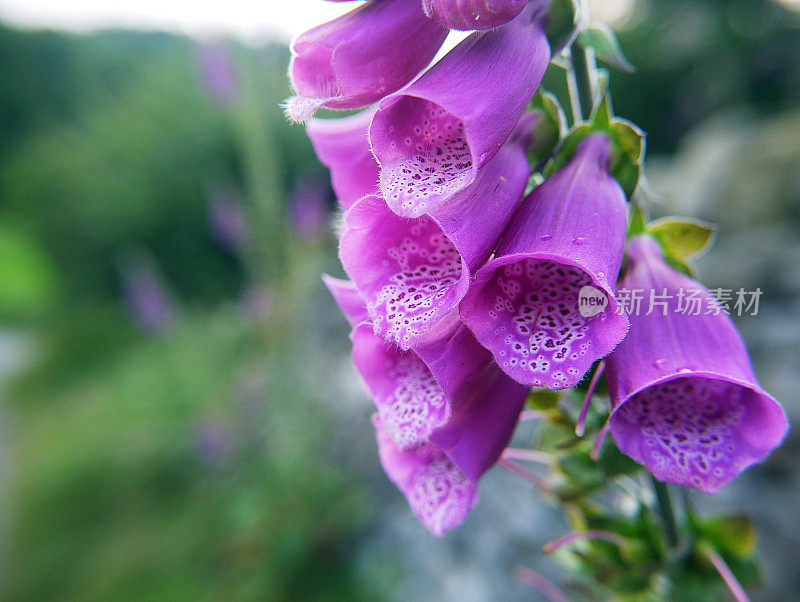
x=192, y=462
x=697, y=58
x=181, y=469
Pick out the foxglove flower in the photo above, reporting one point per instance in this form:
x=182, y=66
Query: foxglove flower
x=448, y=390
x=226, y=219
x=568, y=234
x=684, y=399
x=308, y=210
x=218, y=72
x=467, y=15
x=146, y=298
x=413, y=272
x=432, y=137
x=438, y=492
x=342, y=146
x=361, y=57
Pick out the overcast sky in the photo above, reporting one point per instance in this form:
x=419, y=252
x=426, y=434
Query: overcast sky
x=252, y=19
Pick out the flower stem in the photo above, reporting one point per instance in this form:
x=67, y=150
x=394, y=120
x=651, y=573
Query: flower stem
x=608, y=536
x=582, y=82
x=666, y=511
x=532, y=415
x=598, y=441
x=544, y=586
x=528, y=455
x=524, y=474
x=727, y=576
x=580, y=425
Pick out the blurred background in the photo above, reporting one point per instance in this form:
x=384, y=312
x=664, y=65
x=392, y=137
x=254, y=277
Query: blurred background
x=179, y=418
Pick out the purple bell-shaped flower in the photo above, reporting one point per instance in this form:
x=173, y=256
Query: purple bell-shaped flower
x=362, y=56
x=563, y=246
x=432, y=137
x=684, y=399
x=439, y=493
x=413, y=272
x=446, y=399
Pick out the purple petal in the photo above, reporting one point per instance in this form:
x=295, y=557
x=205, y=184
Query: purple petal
x=412, y=390
x=523, y=305
x=413, y=272
x=448, y=391
x=439, y=494
x=431, y=138
x=685, y=401
x=410, y=402
x=467, y=15
x=362, y=56
x=342, y=146
x=348, y=298
x=484, y=416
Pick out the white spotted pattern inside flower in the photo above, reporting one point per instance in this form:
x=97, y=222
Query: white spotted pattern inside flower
x=440, y=495
x=434, y=159
x=422, y=289
x=537, y=329
x=689, y=428
x=416, y=407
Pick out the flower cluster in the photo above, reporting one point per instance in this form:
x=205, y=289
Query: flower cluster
x=464, y=290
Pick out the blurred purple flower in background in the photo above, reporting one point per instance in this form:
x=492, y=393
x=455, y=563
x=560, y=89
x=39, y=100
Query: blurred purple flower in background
x=226, y=219
x=145, y=297
x=308, y=209
x=217, y=71
x=213, y=443
x=256, y=303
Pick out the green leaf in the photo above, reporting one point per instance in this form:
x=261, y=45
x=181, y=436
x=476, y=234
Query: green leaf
x=543, y=399
x=567, y=148
x=615, y=463
x=637, y=223
x=548, y=130
x=730, y=535
x=682, y=266
x=627, y=175
x=600, y=38
x=548, y=103
x=562, y=19
x=28, y=279
x=630, y=139
x=602, y=113
x=628, y=143
x=626, y=161
x=682, y=238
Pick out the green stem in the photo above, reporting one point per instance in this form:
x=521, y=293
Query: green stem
x=666, y=511
x=583, y=82
x=266, y=253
